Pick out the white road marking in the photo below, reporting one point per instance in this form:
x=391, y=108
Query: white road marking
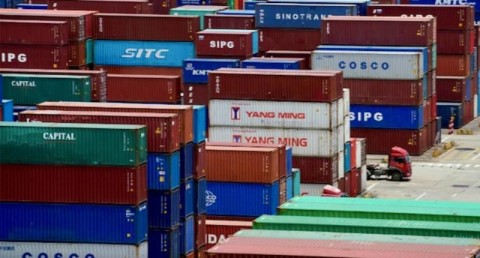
x=372, y=186
x=454, y=195
x=418, y=198
x=475, y=157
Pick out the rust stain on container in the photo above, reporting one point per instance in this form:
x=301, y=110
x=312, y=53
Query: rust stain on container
x=289, y=39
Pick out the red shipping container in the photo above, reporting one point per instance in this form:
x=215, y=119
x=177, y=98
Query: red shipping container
x=317, y=170
x=476, y=30
x=144, y=88
x=37, y=57
x=238, y=22
x=453, y=65
x=385, y=92
x=449, y=17
x=104, y=6
x=434, y=106
x=353, y=153
x=162, y=129
x=199, y=161
x=298, y=39
x=225, y=43
x=219, y=230
x=184, y=112
x=301, y=61
x=355, y=183
x=200, y=230
x=80, y=22
x=77, y=54
x=1, y=113
x=34, y=32
x=474, y=83
x=139, y=27
x=451, y=89
x=283, y=190
x=73, y=184
x=427, y=111
x=371, y=30
x=140, y=70
x=306, y=55
x=265, y=84
x=428, y=130
x=282, y=148
x=262, y=165
x=347, y=184
x=195, y=94
x=455, y=42
x=200, y=252
x=380, y=141
x=163, y=6
x=189, y=255
x=341, y=184
x=431, y=88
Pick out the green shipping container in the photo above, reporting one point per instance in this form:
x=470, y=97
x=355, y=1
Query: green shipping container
x=89, y=51
x=368, y=226
x=296, y=182
x=73, y=144
x=197, y=10
x=31, y=89
x=358, y=237
x=378, y=212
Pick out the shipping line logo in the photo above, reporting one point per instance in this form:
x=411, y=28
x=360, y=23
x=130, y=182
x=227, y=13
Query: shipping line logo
x=210, y=198
x=145, y=53
x=363, y=65
x=299, y=17
x=235, y=113
x=12, y=57
x=237, y=138
x=56, y=255
x=24, y=84
x=59, y=136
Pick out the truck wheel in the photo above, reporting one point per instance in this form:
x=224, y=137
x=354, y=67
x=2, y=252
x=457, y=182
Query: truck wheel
x=369, y=175
x=396, y=176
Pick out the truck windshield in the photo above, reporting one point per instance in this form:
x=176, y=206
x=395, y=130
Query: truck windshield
x=407, y=158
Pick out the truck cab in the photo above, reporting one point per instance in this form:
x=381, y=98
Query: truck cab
x=399, y=166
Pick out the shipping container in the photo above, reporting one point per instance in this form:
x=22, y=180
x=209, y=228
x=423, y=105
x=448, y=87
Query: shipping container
x=144, y=88
x=163, y=171
x=361, y=156
x=226, y=43
x=387, y=117
x=317, y=170
x=200, y=122
x=449, y=111
x=263, y=165
x=300, y=39
x=104, y=6
x=36, y=57
x=455, y=42
x=120, y=224
x=6, y=110
x=139, y=27
x=184, y=112
x=341, y=165
x=236, y=12
x=453, y=89
x=452, y=18
x=263, y=247
x=347, y=164
x=467, y=112
x=198, y=10
x=219, y=230
x=199, y=161
x=296, y=182
x=357, y=30
x=98, y=79
x=142, y=53
x=265, y=84
x=187, y=235
x=80, y=22
x=77, y=55
x=273, y=63
x=297, y=15
x=186, y=161
x=453, y=65
x=164, y=208
x=361, y=5
x=274, y=114
x=152, y=70
x=230, y=21
x=380, y=141
x=32, y=6
x=34, y=32
x=195, y=94
x=162, y=129
x=200, y=195
x=289, y=188
x=200, y=230
x=45, y=143
x=73, y=184
x=304, y=142
x=354, y=152
x=289, y=157
x=371, y=64
x=447, y=3
x=242, y=199
x=195, y=70
x=373, y=226
x=305, y=55
x=164, y=243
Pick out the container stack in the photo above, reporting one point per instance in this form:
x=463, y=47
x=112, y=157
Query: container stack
x=44, y=39
x=397, y=115
x=354, y=182
x=457, y=72
x=197, y=10
x=103, y=6
x=68, y=194
x=6, y=110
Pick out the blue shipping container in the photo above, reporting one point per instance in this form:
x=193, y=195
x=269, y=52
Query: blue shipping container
x=347, y=152
x=297, y=15
x=186, y=161
x=163, y=171
x=164, y=243
x=37, y=222
x=289, y=187
x=195, y=70
x=242, y=199
x=361, y=5
x=186, y=198
x=193, y=2
x=200, y=189
x=475, y=3
x=386, y=117
x=236, y=12
x=142, y=53
x=163, y=208
x=473, y=60
x=468, y=89
x=251, y=5
x=7, y=110
x=296, y=182
x=267, y=63
x=289, y=156
x=447, y=110
x=3, y=4
x=199, y=123
x=33, y=6
x=187, y=235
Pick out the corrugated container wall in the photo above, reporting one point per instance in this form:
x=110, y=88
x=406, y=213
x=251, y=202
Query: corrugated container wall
x=226, y=43
x=163, y=171
x=34, y=32
x=163, y=208
x=317, y=170
x=34, y=57
x=388, y=117
x=195, y=70
x=239, y=22
x=168, y=239
x=219, y=230
x=108, y=6
x=299, y=39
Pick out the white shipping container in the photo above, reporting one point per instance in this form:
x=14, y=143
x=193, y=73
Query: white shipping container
x=475, y=105
x=309, y=143
x=363, y=177
x=276, y=114
x=341, y=110
x=341, y=138
x=341, y=164
x=370, y=64
x=70, y=250
x=346, y=100
x=358, y=153
x=346, y=125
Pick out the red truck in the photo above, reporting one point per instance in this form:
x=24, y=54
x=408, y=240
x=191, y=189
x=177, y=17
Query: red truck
x=399, y=166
